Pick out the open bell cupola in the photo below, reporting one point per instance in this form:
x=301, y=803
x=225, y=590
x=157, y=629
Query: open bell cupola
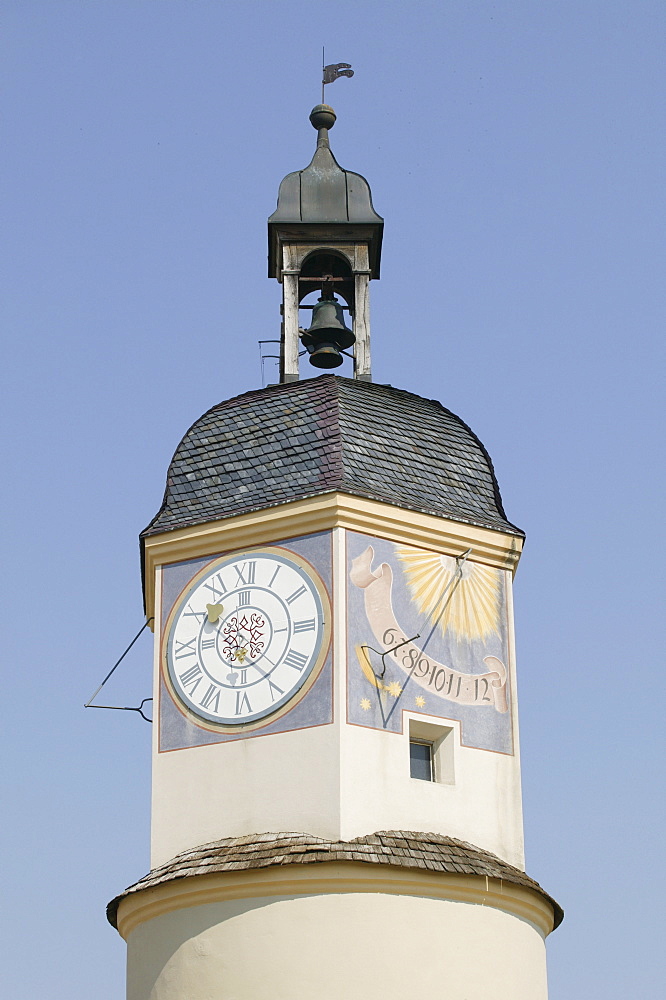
x=325, y=236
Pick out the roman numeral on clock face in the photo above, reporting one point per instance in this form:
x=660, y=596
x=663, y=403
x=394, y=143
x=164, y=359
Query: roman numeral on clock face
x=273, y=688
x=295, y=659
x=243, y=598
x=211, y=699
x=185, y=648
x=191, y=678
x=246, y=573
x=243, y=706
x=208, y=643
x=305, y=626
x=296, y=594
x=216, y=587
x=199, y=615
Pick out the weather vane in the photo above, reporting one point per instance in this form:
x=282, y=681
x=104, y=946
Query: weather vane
x=331, y=73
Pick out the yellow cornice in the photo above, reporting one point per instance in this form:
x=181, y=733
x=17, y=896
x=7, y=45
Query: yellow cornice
x=321, y=513
x=332, y=877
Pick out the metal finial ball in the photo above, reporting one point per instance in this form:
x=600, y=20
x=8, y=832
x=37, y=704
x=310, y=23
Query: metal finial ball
x=322, y=116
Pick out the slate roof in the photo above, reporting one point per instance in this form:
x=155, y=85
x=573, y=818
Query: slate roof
x=303, y=439
x=405, y=849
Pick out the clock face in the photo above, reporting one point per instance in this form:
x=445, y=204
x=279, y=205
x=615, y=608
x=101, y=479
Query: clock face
x=245, y=636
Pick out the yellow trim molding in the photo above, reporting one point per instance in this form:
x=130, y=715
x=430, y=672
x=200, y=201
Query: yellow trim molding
x=321, y=513
x=332, y=877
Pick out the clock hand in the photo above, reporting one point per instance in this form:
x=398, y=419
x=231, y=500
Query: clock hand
x=260, y=669
x=214, y=612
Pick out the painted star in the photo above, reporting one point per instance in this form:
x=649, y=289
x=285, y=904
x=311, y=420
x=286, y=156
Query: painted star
x=394, y=689
x=420, y=701
x=365, y=704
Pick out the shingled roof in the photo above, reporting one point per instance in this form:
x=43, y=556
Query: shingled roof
x=404, y=849
x=303, y=439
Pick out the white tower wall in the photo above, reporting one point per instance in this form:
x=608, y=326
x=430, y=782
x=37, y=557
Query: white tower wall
x=379, y=945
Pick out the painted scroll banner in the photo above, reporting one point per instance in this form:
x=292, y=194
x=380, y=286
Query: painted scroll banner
x=480, y=690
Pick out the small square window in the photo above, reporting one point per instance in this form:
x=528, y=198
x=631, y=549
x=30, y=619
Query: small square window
x=420, y=760
x=431, y=750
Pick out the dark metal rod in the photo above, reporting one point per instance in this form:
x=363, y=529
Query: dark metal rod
x=126, y=708
x=117, y=664
x=460, y=562
x=387, y=652
x=448, y=594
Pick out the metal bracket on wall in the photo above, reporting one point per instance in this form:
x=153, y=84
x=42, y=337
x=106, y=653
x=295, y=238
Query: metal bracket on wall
x=122, y=708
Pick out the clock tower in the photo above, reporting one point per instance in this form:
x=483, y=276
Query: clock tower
x=336, y=804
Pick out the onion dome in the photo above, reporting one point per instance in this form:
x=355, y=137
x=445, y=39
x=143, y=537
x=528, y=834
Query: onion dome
x=325, y=194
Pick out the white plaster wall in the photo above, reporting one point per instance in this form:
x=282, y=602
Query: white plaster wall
x=283, y=782
x=482, y=805
x=369, y=945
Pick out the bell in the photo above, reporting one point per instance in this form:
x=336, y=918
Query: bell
x=328, y=334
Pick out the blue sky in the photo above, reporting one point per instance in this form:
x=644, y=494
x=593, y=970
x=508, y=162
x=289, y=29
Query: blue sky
x=516, y=152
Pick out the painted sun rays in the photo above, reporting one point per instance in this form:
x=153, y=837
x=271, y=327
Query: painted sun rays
x=472, y=610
